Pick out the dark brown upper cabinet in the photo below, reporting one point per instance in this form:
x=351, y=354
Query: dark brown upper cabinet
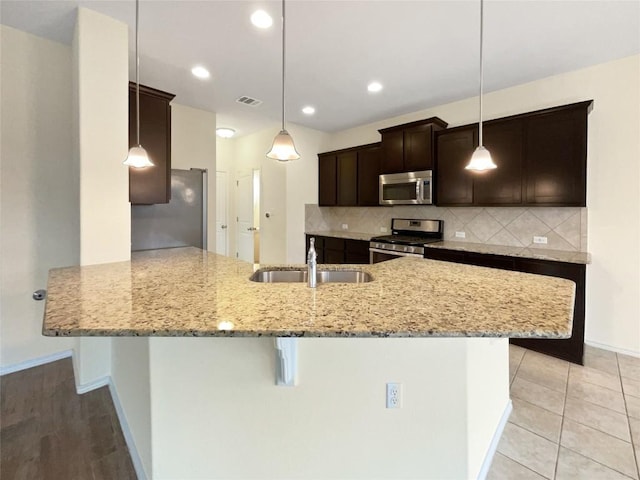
x=152, y=184
x=556, y=156
x=541, y=158
x=327, y=180
x=368, y=175
x=409, y=147
x=503, y=185
x=349, y=177
x=347, y=163
x=454, y=184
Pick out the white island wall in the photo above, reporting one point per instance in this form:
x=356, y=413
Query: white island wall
x=217, y=413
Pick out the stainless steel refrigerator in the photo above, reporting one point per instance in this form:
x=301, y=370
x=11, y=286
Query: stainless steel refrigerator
x=180, y=223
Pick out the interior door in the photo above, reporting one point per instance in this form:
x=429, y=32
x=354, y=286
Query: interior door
x=222, y=230
x=244, y=220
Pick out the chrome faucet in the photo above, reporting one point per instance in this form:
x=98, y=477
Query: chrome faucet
x=311, y=264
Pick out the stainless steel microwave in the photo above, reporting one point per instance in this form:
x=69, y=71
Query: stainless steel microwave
x=412, y=188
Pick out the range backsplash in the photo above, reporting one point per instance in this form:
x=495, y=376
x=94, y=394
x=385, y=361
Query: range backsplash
x=564, y=227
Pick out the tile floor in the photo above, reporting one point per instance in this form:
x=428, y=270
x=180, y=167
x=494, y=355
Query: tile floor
x=569, y=421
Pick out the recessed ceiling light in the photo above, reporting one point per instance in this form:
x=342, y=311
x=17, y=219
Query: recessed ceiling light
x=308, y=110
x=374, y=87
x=261, y=19
x=200, y=72
x=225, y=132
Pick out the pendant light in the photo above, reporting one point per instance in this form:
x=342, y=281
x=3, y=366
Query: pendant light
x=138, y=157
x=283, y=148
x=481, y=159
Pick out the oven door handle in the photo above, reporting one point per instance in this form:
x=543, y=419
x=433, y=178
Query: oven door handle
x=394, y=253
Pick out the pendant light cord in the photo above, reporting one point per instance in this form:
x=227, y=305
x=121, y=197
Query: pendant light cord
x=283, y=60
x=481, y=72
x=137, y=78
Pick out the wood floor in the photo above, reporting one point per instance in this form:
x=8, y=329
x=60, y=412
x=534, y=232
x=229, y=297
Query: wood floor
x=48, y=431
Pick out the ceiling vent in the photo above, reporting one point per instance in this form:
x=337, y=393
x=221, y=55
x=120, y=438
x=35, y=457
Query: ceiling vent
x=252, y=102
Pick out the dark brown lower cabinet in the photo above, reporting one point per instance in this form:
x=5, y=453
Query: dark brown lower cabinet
x=570, y=349
x=339, y=250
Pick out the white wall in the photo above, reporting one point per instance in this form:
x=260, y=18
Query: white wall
x=225, y=156
x=285, y=188
x=250, y=153
x=193, y=145
x=613, y=181
x=101, y=131
x=227, y=418
x=299, y=191
x=130, y=376
x=39, y=212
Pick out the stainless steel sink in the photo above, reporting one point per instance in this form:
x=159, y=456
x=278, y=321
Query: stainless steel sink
x=323, y=276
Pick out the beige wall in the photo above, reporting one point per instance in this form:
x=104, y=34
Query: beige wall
x=101, y=131
x=227, y=418
x=250, y=153
x=193, y=145
x=613, y=181
x=299, y=190
x=225, y=155
x=39, y=211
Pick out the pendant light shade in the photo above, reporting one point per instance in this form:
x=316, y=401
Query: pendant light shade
x=137, y=157
x=283, y=148
x=481, y=159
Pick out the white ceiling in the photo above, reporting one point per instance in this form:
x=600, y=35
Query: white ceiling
x=425, y=53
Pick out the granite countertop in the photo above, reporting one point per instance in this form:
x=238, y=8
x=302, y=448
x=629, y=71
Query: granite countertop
x=535, y=253
x=190, y=292
x=343, y=234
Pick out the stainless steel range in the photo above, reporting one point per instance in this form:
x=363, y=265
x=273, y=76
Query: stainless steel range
x=407, y=239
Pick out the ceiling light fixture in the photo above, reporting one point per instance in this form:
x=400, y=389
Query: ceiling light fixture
x=225, y=132
x=137, y=157
x=309, y=110
x=200, y=72
x=374, y=87
x=283, y=148
x=261, y=19
x=481, y=160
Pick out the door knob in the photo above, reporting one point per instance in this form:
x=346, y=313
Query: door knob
x=252, y=229
x=223, y=226
x=39, y=294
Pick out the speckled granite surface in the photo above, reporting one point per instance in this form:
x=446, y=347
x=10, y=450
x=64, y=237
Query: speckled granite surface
x=189, y=292
x=344, y=234
x=554, y=255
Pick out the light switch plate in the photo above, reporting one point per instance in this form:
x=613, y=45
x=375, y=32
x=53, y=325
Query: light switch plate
x=540, y=240
x=461, y=235
x=345, y=226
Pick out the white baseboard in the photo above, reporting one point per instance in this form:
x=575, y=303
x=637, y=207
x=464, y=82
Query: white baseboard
x=87, y=387
x=36, y=362
x=493, y=446
x=126, y=431
x=603, y=346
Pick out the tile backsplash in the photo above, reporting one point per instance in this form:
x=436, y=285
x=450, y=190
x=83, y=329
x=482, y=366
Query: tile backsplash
x=564, y=227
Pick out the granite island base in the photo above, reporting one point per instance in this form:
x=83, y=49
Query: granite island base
x=209, y=407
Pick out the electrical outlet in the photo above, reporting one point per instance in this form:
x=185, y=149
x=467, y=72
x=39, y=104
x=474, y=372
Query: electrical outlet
x=383, y=230
x=345, y=226
x=542, y=240
x=394, y=395
x=461, y=235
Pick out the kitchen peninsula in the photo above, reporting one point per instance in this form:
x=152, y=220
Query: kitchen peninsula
x=190, y=292
x=209, y=404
